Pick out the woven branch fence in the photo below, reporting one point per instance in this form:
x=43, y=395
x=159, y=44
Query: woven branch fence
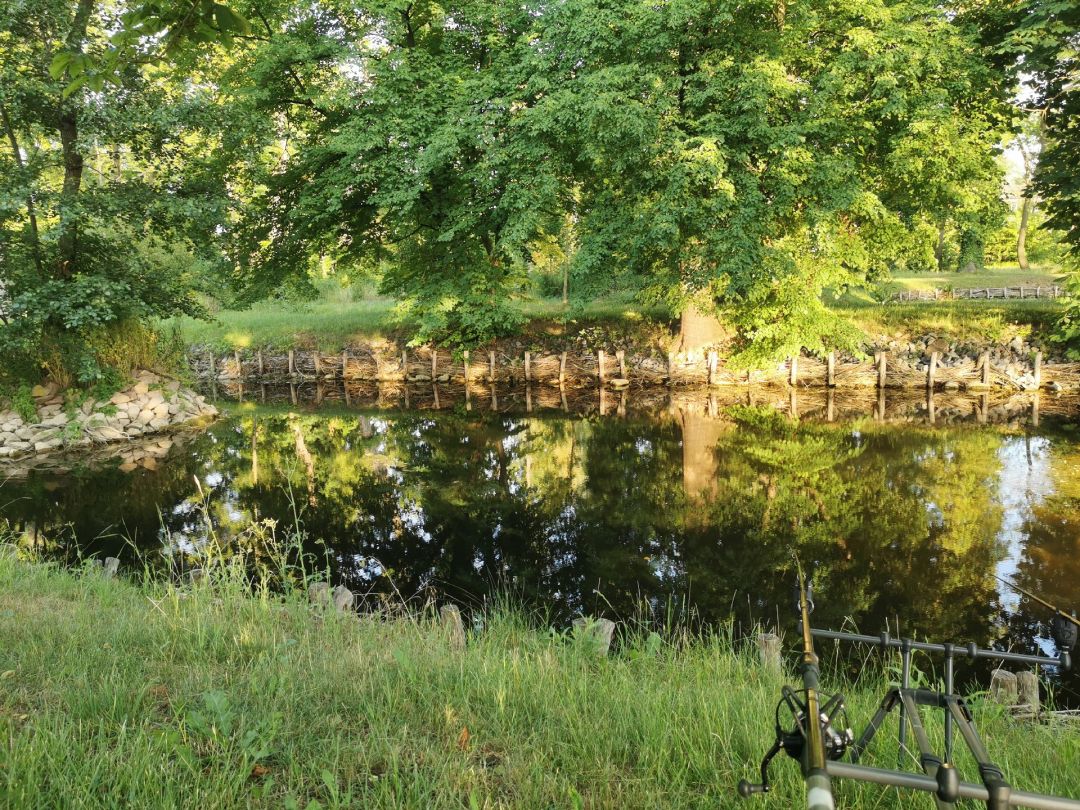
x=618, y=370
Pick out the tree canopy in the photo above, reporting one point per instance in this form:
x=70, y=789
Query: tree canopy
x=743, y=158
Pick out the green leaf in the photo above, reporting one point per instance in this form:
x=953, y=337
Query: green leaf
x=59, y=64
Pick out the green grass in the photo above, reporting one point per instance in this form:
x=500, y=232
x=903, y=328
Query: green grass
x=331, y=324
x=336, y=321
x=993, y=276
x=115, y=694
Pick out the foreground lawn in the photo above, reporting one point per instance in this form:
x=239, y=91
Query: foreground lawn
x=144, y=696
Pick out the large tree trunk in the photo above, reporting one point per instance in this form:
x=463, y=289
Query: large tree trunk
x=939, y=248
x=1021, y=234
x=698, y=330
x=68, y=242
x=68, y=124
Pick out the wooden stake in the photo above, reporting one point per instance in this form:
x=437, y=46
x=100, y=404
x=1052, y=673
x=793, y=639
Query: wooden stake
x=434, y=363
x=528, y=374
x=712, y=367
x=259, y=360
x=213, y=371
x=405, y=364
x=344, y=365
x=793, y=366
x=881, y=369
x=930, y=410
x=292, y=364
x=465, y=359
x=620, y=355
x=1038, y=370
x=831, y=408
x=239, y=365
x=491, y=361
x=985, y=361
x=316, y=360
x=600, y=366
x=1035, y=410
x=562, y=369
x=931, y=370
x=830, y=374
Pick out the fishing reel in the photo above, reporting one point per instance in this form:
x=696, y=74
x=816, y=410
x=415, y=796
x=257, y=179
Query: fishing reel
x=836, y=734
x=1064, y=632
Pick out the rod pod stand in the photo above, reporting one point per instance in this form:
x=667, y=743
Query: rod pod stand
x=939, y=778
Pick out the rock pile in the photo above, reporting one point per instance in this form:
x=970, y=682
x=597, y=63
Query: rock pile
x=151, y=405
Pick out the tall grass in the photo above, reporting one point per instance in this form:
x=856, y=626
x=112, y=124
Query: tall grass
x=138, y=693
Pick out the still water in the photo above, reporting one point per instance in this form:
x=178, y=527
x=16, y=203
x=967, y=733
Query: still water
x=672, y=512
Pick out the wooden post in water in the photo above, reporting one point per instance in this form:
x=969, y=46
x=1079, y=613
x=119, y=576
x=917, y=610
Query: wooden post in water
x=830, y=410
x=600, y=366
x=793, y=402
x=562, y=370
x=793, y=379
x=1037, y=372
x=711, y=361
x=316, y=361
x=213, y=371
x=292, y=392
x=344, y=365
x=930, y=411
x=830, y=374
x=259, y=360
x=528, y=398
x=528, y=369
x=984, y=408
x=292, y=363
x=985, y=360
x=434, y=363
x=881, y=404
x=1035, y=410
x=931, y=370
x=491, y=363
x=435, y=390
x=881, y=369
x=239, y=365
x=405, y=365
x=465, y=360
x=620, y=355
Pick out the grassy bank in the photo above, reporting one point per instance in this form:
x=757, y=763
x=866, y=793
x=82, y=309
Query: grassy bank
x=335, y=321
x=117, y=694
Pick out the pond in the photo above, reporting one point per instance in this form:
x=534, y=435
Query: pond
x=668, y=509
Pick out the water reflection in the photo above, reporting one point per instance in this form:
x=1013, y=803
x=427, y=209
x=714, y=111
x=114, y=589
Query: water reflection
x=692, y=511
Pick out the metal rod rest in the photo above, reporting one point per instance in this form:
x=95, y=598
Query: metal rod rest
x=966, y=650
x=968, y=790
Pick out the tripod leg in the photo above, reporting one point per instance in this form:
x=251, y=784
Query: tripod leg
x=872, y=727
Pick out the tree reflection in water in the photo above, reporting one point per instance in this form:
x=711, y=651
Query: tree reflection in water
x=683, y=516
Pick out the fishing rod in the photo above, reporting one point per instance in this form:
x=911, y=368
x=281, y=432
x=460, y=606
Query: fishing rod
x=1064, y=627
x=819, y=735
